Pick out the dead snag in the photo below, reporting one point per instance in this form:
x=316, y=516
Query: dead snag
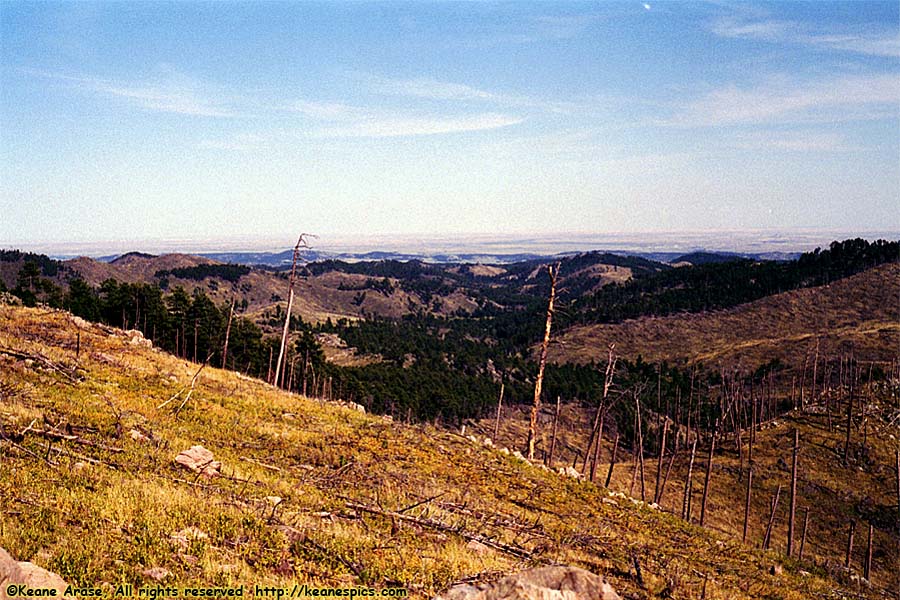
x=637, y=404
x=553, y=271
x=227, y=333
x=747, y=503
x=712, y=450
x=612, y=462
x=850, y=543
x=659, y=460
x=496, y=422
x=849, y=411
x=867, y=568
x=686, y=502
x=803, y=535
x=790, y=540
x=768, y=536
x=662, y=489
x=301, y=243
x=553, y=437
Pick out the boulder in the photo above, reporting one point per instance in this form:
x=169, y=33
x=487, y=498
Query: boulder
x=541, y=583
x=14, y=572
x=199, y=460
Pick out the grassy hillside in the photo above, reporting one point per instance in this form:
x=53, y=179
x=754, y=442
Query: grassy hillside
x=863, y=489
x=861, y=311
x=88, y=487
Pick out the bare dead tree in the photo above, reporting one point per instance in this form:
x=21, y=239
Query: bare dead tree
x=499, y=404
x=227, y=333
x=659, y=460
x=301, y=243
x=867, y=568
x=747, y=503
x=803, y=535
x=796, y=452
x=640, y=440
x=602, y=408
x=553, y=271
x=686, y=502
x=553, y=437
x=612, y=462
x=849, y=411
x=768, y=536
x=850, y=544
x=712, y=450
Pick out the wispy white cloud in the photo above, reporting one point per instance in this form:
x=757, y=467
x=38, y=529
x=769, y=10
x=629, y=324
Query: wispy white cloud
x=847, y=98
x=426, y=88
x=171, y=92
x=792, y=141
x=879, y=43
x=399, y=126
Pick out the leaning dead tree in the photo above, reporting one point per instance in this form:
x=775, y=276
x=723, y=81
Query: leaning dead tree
x=553, y=271
x=301, y=243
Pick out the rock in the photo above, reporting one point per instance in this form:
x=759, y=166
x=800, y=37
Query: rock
x=187, y=535
x=776, y=570
x=136, y=338
x=13, y=572
x=541, y=583
x=199, y=460
x=138, y=436
x=476, y=547
x=569, y=472
x=10, y=300
x=156, y=573
x=80, y=323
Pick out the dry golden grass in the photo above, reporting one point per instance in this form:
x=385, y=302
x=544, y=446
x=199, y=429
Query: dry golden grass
x=98, y=515
x=863, y=489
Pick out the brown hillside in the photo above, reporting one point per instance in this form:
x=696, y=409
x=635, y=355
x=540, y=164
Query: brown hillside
x=333, y=295
x=863, y=489
x=862, y=311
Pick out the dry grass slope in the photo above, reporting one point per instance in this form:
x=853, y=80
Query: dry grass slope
x=862, y=312
x=100, y=507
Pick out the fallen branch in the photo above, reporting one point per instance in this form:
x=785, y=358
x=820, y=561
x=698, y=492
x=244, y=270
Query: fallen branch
x=440, y=526
x=261, y=464
x=191, y=391
x=53, y=435
x=68, y=373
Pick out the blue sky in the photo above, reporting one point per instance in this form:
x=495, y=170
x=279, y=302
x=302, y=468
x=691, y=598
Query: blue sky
x=182, y=120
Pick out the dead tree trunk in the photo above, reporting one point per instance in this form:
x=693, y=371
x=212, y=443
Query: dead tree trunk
x=538, y=382
x=803, y=535
x=712, y=450
x=790, y=540
x=553, y=437
x=597, y=430
x=849, y=411
x=227, y=333
x=768, y=536
x=686, y=502
x=499, y=405
x=637, y=404
x=659, y=461
x=301, y=243
x=850, y=544
x=867, y=568
x=747, y=503
x=612, y=462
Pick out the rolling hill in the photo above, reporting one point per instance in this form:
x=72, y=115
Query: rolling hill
x=859, y=313
x=92, y=420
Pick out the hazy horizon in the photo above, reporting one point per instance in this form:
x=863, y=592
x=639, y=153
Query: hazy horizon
x=746, y=241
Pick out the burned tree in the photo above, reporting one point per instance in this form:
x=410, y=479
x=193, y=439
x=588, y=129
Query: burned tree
x=553, y=271
x=301, y=243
